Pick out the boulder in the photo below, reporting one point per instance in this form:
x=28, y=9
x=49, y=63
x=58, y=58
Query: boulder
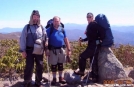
x=131, y=74
x=109, y=67
x=72, y=78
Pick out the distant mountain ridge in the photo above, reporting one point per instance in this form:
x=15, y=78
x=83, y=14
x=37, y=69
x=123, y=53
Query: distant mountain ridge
x=70, y=26
x=122, y=34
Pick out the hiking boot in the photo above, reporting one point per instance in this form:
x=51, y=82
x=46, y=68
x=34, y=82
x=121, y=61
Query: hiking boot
x=79, y=73
x=45, y=79
x=28, y=84
x=62, y=80
x=94, y=80
x=38, y=84
x=54, y=81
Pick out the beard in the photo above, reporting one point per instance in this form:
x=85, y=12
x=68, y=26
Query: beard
x=35, y=21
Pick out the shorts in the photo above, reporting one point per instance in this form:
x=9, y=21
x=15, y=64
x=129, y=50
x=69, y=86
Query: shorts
x=57, y=56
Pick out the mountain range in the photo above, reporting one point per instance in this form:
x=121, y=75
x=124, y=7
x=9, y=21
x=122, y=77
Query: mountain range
x=122, y=34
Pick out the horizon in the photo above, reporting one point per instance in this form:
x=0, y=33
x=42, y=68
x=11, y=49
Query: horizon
x=74, y=24
x=17, y=13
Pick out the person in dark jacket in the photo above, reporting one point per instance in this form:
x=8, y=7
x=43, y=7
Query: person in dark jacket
x=94, y=33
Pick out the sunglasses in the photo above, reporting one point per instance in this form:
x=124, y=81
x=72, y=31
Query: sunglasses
x=89, y=16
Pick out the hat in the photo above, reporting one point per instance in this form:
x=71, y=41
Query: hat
x=36, y=12
x=89, y=14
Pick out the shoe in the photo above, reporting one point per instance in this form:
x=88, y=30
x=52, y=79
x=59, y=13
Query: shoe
x=53, y=81
x=38, y=84
x=79, y=73
x=94, y=80
x=62, y=80
x=44, y=79
x=28, y=84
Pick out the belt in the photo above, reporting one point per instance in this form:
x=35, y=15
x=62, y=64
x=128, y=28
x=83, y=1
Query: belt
x=27, y=47
x=50, y=47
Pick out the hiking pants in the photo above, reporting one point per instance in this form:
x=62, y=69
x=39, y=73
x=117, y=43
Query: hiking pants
x=30, y=59
x=90, y=53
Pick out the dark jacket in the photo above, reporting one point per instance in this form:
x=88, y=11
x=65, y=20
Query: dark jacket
x=94, y=32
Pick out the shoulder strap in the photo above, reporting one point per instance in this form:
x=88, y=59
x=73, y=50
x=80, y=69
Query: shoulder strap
x=42, y=27
x=62, y=29
x=28, y=26
x=31, y=34
x=51, y=29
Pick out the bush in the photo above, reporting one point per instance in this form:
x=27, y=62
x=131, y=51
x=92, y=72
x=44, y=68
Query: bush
x=10, y=58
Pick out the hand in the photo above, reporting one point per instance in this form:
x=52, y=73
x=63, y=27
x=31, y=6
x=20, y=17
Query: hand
x=47, y=52
x=24, y=55
x=80, y=40
x=68, y=60
x=46, y=44
x=68, y=53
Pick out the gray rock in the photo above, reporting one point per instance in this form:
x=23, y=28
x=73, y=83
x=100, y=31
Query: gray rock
x=71, y=78
x=110, y=68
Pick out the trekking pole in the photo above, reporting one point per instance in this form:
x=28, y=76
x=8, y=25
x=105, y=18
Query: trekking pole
x=49, y=82
x=91, y=65
x=97, y=42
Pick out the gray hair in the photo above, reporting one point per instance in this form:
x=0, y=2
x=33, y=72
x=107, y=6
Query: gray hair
x=31, y=18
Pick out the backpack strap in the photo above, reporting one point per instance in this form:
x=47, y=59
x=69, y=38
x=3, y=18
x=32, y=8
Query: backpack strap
x=28, y=26
x=51, y=29
x=62, y=30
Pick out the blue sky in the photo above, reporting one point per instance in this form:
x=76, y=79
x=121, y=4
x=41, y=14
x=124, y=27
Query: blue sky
x=16, y=13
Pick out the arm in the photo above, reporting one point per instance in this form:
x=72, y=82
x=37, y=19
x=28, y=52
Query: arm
x=23, y=40
x=85, y=39
x=67, y=43
x=45, y=39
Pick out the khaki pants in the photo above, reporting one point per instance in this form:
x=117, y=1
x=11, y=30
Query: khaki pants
x=57, y=56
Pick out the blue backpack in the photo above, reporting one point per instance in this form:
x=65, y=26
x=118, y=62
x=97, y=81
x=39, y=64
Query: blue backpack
x=102, y=20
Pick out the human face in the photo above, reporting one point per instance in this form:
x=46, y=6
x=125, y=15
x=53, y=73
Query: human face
x=89, y=19
x=35, y=19
x=56, y=22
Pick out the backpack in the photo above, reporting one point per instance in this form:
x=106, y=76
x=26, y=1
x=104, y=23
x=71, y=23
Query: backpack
x=102, y=20
x=50, y=25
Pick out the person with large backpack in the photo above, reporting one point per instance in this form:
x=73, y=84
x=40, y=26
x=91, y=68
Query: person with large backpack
x=95, y=34
x=57, y=42
x=32, y=46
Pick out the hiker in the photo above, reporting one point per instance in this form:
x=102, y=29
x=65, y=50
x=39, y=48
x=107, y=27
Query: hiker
x=57, y=42
x=32, y=45
x=95, y=34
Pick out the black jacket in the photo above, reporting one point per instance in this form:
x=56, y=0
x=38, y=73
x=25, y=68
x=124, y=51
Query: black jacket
x=94, y=32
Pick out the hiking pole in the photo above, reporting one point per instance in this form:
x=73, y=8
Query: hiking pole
x=90, y=69
x=49, y=82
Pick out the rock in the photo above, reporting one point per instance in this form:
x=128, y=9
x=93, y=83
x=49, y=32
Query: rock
x=71, y=78
x=110, y=68
x=128, y=70
x=131, y=74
